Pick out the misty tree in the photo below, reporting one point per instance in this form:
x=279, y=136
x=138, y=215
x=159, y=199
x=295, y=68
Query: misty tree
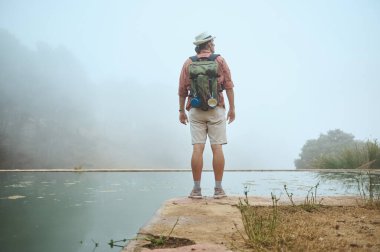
x=331, y=144
x=46, y=116
x=52, y=116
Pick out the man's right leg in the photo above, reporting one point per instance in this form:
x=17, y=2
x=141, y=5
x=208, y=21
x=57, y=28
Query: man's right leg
x=198, y=129
x=196, y=167
x=197, y=161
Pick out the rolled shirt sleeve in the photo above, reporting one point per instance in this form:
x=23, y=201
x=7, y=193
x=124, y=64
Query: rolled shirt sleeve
x=184, y=80
x=224, y=73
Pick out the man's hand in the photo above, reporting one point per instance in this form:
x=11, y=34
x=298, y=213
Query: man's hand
x=183, y=117
x=231, y=111
x=231, y=116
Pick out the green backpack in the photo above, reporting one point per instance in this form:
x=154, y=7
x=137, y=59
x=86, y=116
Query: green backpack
x=204, y=89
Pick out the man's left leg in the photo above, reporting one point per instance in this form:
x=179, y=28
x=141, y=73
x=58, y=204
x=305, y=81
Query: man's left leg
x=218, y=167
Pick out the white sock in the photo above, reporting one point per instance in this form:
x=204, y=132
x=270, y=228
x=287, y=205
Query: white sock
x=197, y=185
x=218, y=184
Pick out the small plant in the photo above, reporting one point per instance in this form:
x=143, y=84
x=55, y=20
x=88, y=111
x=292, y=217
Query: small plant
x=290, y=195
x=113, y=243
x=258, y=227
x=246, y=190
x=157, y=241
x=275, y=212
x=310, y=202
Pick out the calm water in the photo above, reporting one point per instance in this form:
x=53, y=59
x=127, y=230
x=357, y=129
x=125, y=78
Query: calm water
x=69, y=212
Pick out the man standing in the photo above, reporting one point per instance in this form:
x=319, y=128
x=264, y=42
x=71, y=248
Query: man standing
x=206, y=120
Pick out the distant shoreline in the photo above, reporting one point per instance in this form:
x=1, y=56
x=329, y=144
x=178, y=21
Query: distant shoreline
x=188, y=170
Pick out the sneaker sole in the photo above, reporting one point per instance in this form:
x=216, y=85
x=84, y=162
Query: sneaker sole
x=219, y=196
x=195, y=197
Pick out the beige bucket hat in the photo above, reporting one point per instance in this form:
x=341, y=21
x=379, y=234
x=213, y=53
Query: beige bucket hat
x=203, y=38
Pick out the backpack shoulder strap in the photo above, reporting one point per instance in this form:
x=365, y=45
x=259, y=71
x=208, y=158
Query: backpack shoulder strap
x=194, y=58
x=213, y=57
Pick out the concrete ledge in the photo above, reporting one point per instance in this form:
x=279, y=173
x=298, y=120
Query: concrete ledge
x=210, y=223
x=375, y=171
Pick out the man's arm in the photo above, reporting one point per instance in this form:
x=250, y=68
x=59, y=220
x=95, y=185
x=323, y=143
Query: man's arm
x=228, y=85
x=184, y=81
x=182, y=114
x=231, y=101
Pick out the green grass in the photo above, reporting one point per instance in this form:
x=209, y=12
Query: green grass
x=369, y=190
x=362, y=156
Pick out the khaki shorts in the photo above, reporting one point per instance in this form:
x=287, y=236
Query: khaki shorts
x=211, y=122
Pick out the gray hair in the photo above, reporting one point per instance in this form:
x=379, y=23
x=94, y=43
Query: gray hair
x=200, y=47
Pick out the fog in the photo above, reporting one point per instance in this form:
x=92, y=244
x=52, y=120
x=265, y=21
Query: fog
x=94, y=83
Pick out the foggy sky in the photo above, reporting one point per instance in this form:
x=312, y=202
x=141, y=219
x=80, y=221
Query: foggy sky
x=299, y=69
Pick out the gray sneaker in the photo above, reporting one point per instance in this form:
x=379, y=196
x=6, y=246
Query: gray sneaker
x=219, y=193
x=196, y=194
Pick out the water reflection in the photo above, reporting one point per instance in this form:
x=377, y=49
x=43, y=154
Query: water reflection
x=72, y=211
x=48, y=217
x=366, y=183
